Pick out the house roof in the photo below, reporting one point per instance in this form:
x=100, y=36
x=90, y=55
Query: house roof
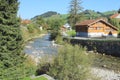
x=117, y=15
x=86, y=22
x=25, y=21
x=90, y=22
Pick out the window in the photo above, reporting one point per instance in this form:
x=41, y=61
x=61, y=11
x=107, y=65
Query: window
x=98, y=28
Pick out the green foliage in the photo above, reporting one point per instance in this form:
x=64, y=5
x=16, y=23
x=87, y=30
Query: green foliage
x=12, y=59
x=115, y=22
x=48, y=14
x=55, y=24
x=59, y=39
x=109, y=13
x=91, y=14
x=71, y=33
x=71, y=63
x=30, y=28
x=40, y=22
x=33, y=28
x=30, y=66
x=119, y=10
x=54, y=34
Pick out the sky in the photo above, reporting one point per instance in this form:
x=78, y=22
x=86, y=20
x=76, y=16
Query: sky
x=30, y=8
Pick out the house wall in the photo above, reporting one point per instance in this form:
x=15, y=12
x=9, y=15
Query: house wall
x=97, y=29
x=91, y=34
x=81, y=29
x=82, y=34
x=118, y=16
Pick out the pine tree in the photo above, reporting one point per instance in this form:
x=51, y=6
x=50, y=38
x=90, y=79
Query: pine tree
x=74, y=12
x=119, y=10
x=11, y=56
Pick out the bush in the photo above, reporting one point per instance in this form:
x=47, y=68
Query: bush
x=71, y=33
x=30, y=66
x=54, y=34
x=59, y=40
x=43, y=65
x=32, y=28
x=71, y=63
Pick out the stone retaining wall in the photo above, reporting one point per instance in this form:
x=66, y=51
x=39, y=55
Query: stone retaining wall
x=109, y=47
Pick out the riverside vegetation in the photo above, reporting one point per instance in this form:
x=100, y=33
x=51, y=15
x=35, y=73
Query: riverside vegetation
x=71, y=63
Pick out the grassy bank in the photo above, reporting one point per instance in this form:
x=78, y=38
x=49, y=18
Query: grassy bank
x=28, y=35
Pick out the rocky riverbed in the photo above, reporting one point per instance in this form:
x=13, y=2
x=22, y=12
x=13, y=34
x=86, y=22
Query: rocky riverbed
x=105, y=74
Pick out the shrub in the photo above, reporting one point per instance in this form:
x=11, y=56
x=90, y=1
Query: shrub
x=71, y=33
x=30, y=28
x=54, y=34
x=59, y=39
x=43, y=65
x=71, y=63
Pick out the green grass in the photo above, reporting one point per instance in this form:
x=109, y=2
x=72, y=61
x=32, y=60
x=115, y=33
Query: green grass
x=38, y=78
x=27, y=78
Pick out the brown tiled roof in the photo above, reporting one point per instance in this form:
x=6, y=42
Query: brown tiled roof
x=114, y=15
x=25, y=21
x=90, y=22
x=86, y=22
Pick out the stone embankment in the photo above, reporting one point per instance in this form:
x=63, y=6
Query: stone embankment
x=104, y=46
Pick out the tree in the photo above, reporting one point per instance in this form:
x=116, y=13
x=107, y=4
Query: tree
x=115, y=22
x=11, y=56
x=40, y=21
x=74, y=12
x=119, y=10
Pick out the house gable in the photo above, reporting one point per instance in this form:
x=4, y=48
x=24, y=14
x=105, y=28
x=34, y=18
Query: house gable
x=103, y=23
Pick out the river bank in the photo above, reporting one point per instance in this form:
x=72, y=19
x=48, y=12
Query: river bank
x=33, y=37
x=105, y=67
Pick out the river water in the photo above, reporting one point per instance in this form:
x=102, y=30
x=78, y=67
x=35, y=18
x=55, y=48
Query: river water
x=40, y=47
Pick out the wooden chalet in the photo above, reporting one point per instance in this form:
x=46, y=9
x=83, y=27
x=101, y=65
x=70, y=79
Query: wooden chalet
x=95, y=28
